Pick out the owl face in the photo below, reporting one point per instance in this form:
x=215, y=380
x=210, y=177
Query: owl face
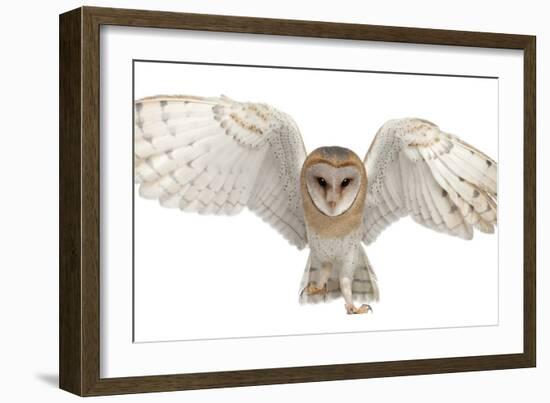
x=332, y=189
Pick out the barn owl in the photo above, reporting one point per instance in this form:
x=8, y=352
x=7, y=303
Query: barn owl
x=218, y=156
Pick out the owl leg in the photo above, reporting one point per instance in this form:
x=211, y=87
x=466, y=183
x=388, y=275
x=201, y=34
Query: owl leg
x=346, y=283
x=320, y=287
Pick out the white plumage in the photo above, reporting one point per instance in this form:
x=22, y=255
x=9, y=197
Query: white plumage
x=218, y=156
x=443, y=183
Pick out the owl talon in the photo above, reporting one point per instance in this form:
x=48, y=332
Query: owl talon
x=352, y=309
x=313, y=290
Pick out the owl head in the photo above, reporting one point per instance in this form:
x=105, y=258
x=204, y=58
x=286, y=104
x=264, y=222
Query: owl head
x=333, y=179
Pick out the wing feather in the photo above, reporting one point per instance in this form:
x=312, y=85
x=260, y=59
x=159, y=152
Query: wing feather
x=442, y=182
x=218, y=156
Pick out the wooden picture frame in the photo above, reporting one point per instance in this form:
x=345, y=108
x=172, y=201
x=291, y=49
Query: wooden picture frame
x=79, y=280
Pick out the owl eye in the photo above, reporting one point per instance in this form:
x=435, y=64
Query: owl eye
x=322, y=182
x=346, y=182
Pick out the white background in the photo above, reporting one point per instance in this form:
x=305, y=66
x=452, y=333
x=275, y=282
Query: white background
x=202, y=277
x=29, y=285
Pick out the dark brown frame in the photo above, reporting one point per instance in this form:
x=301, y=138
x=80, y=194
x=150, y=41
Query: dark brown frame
x=79, y=200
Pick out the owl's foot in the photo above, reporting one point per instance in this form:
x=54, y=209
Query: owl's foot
x=352, y=309
x=314, y=290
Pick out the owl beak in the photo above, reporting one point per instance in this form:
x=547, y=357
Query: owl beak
x=332, y=204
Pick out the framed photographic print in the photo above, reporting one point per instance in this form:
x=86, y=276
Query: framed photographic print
x=249, y=201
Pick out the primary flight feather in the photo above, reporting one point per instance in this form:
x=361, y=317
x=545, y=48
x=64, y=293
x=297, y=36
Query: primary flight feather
x=218, y=156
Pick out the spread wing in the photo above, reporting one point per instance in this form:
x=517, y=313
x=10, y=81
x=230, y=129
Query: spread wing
x=216, y=156
x=443, y=183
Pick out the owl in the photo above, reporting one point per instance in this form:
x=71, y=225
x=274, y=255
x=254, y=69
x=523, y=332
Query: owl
x=219, y=156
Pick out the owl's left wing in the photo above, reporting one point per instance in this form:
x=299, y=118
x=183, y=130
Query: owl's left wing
x=414, y=168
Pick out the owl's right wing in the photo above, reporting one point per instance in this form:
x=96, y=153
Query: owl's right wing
x=216, y=156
